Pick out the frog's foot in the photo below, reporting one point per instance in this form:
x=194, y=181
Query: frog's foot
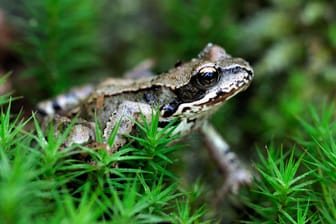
x=81, y=132
x=227, y=161
x=235, y=179
x=233, y=182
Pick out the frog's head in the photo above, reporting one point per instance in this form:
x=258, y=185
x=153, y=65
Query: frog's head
x=214, y=78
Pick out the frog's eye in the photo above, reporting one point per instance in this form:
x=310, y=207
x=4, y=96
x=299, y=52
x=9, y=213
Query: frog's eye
x=206, y=77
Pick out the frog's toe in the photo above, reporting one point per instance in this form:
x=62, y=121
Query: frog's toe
x=237, y=179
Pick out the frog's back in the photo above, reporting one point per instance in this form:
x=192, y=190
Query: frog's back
x=111, y=95
x=71, y=102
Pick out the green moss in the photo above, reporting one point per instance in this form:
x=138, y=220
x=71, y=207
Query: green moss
x=290, y=44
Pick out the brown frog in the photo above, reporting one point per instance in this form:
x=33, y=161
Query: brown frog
x=190, y=92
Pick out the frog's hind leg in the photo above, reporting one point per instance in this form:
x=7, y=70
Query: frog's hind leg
x=236, y=174
x=63, y=103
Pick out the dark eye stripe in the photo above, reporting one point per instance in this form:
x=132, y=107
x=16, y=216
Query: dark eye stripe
x=238, y=69
x=233, y=70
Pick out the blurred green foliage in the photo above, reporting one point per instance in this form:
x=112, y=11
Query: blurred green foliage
x=43, y=180
x=58, y=42
x=297, y=185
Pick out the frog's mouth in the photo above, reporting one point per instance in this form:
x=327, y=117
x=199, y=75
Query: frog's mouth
x=221, y=97
x=224, y=95
x=206, y=104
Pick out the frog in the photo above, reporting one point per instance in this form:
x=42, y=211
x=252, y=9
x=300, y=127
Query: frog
x=190, y=92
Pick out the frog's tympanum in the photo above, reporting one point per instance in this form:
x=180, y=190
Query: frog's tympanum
x=191, y=92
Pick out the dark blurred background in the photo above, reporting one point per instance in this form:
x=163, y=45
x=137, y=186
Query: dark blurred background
x=48, y=46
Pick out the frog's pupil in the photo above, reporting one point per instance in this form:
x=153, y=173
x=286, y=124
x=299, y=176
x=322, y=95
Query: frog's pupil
x=208, y=78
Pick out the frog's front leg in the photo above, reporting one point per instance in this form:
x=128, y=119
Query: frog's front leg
x=81, y=131
x=126, y=115
x=227, y=160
